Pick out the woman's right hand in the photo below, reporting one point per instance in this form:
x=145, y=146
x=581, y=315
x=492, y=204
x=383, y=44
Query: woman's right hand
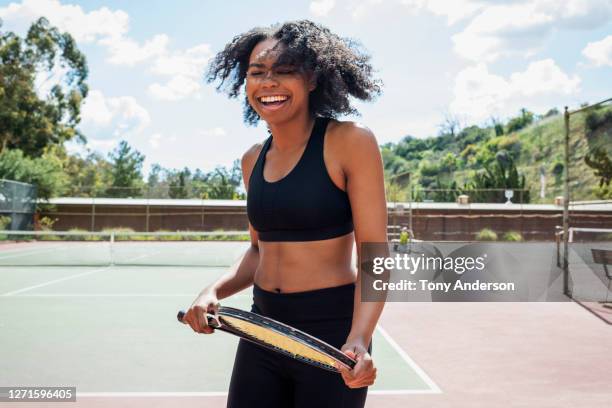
x=195, y=316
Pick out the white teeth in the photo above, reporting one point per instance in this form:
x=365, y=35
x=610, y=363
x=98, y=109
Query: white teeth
x=275, y=98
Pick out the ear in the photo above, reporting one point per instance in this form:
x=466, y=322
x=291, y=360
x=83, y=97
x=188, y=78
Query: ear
x=312, y=82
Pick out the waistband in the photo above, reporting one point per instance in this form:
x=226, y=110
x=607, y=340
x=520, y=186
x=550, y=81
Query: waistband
x=314, y=305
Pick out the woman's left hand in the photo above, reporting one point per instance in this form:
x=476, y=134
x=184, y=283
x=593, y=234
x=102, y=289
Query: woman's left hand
x=364, y=372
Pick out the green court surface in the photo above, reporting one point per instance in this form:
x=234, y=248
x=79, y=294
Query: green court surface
x=113, y=330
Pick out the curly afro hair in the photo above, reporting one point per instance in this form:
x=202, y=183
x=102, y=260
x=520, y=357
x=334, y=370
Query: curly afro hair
x=339, y=66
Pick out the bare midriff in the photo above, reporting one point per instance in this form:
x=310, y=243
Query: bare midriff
x=286, y=267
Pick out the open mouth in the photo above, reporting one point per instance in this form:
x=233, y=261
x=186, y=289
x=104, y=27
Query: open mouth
x=273, y=101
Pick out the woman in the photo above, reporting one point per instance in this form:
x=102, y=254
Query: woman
x=314, y=188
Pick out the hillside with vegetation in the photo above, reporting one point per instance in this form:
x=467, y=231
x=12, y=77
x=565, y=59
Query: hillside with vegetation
x=515, y=155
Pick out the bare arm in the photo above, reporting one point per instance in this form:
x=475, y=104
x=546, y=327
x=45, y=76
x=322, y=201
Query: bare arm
x=238, y=277
x=365, y=187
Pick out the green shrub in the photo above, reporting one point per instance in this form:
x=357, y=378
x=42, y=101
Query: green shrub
x=513, y=236
x=118, y=231
x=5, y=221
x=486, y=234
x=85, y=237
x=52, y=238
x=46, y=223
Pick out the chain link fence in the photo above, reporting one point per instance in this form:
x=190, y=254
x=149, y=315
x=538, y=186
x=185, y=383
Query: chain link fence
x=17, y=205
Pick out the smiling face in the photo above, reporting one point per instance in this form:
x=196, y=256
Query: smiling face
x=278, y=93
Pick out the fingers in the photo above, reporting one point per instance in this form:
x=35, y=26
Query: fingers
x=213, y=308
x=363, y=374
x=197, y=319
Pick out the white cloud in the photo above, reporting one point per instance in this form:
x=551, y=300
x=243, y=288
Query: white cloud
x=454, y=11
x=184, y=69
x=496, y=28
x=125, y=51
x=187, y=63
x=543, y=77
x=102, y=144
x=105, y=117
x=109, y=29
x=321, y=8
x=599, y=52
x=106, y=27
x=155, y=140
x=176, y=88
x=479, y=94
x=83, y=26
x=363, y=8
x=214, y=132
x=520, y=28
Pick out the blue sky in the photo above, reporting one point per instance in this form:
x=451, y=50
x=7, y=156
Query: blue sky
x=469, y=59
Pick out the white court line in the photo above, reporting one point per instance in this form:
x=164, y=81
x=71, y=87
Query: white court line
x=111, y=295
x=65, y=278
x=33, y=251
x=217, y=394
x=434, y=389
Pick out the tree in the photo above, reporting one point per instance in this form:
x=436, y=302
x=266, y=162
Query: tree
x=44, y=172
x=501, y=174
x=497, y=126
x=89, y=176
x=520, y=122
x=451, y=125
x=126, y=170
x=28, y=122
x=223, y=183
x=179, y=183
x=598, y=160
x=551, y=112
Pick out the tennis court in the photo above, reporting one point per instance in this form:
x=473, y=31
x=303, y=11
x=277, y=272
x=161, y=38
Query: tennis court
x=109, y=328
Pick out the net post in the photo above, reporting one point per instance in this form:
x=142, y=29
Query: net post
x=566, y=198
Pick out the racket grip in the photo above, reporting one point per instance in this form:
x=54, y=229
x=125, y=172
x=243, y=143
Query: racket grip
x=180, y=316
x=212, y=322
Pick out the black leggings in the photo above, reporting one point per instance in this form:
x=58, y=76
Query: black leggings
x=263, y=378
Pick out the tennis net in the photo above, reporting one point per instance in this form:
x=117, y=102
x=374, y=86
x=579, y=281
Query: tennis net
x=77, y=248
x=589, y=272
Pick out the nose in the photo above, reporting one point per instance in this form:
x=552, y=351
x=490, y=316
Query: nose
x=269, y=80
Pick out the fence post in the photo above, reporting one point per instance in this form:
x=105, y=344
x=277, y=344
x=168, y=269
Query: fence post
x=148, y=195
x=566, y=198
x=93, y=214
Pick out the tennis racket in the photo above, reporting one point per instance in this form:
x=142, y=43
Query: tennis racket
x=278, y=337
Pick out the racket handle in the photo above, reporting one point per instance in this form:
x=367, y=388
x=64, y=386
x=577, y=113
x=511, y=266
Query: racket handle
x=212, y=322
x=180, y=316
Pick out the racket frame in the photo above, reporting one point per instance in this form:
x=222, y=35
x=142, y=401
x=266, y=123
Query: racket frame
x=318, y=345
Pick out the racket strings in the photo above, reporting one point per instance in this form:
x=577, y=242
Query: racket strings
x=279, y=340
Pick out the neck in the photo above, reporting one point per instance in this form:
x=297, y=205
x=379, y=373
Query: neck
x=292, y=133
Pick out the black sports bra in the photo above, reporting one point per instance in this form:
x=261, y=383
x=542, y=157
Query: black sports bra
x=305, y=205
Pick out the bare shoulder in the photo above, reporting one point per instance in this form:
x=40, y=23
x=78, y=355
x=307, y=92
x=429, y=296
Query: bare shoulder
x=352, y=141
x=250, y=156
x=248, y=160
x=352, y=134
